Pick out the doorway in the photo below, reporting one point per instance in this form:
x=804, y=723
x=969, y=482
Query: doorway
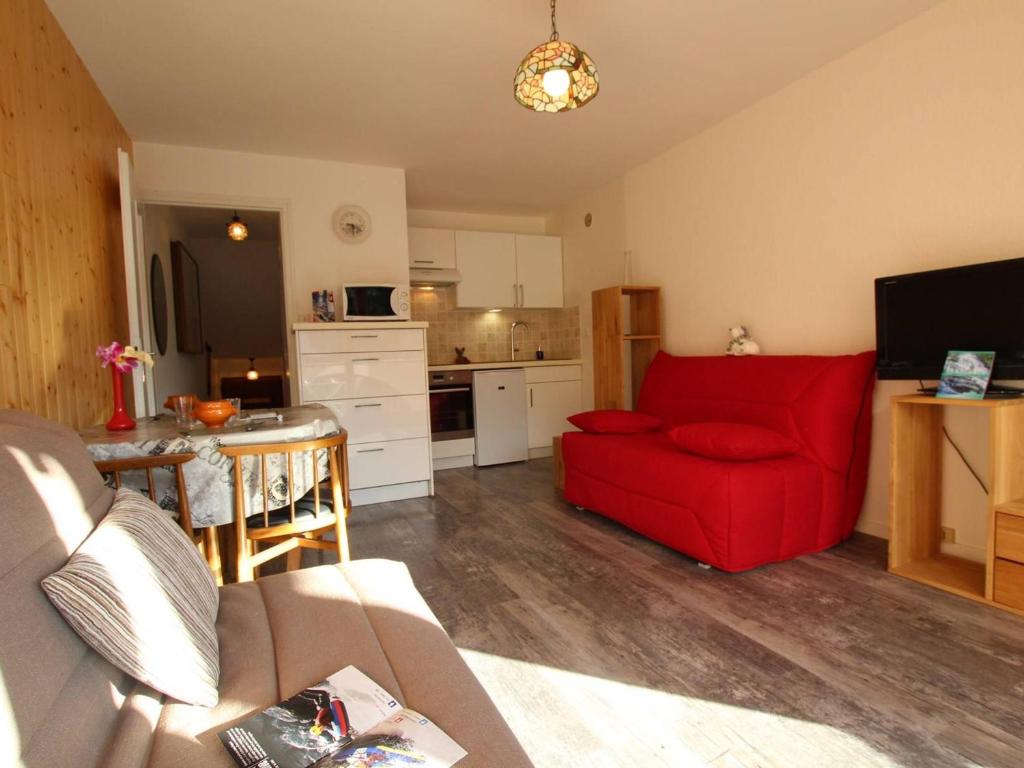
x=217, y=321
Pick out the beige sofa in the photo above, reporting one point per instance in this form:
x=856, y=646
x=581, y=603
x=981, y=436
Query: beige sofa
x=63, y=705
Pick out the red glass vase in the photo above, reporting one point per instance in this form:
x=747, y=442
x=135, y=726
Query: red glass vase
x=120, y=420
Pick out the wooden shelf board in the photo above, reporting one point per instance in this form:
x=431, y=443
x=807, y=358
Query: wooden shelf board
x=640, y=336
x=952, y=574
x=1015, y=507
x=945, y=401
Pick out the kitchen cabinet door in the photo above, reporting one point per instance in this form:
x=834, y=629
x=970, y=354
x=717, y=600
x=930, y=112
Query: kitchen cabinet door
x=548, y=405
x=431, y=248
x=487, y=263
x=539, y=270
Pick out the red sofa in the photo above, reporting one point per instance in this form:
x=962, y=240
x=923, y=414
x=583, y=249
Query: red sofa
x=736, y=515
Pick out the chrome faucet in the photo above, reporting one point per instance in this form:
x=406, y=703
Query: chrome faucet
x=512, y=335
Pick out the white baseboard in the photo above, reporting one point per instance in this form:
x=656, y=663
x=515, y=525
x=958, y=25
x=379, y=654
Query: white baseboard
x=966, y=551
x=395, y=492
x=879, y=528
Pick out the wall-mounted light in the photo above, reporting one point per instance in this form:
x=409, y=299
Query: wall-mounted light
x=424, y=288
x=237, y=230
x=493, y=310
x=252, y=374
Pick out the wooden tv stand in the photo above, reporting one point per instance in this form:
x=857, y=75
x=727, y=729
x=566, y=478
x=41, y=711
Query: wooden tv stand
x=915, y=501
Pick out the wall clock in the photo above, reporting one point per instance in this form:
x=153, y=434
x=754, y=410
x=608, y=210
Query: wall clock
x=351, y=224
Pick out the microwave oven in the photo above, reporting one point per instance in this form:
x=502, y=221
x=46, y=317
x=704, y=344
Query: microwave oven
x=374, y=301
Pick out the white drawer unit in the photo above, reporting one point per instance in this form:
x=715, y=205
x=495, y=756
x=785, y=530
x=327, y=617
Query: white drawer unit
x=370, y=340
x=374, y=378
x=362, y=374
x=389, y=463
x=375, y=419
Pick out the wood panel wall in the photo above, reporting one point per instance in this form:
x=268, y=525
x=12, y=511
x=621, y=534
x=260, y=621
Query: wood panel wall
x=61, y=265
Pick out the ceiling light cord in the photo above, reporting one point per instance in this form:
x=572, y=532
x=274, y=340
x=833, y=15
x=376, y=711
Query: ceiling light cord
x=554, y=27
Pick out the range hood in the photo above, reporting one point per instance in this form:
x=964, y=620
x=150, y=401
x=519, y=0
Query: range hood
x=436, y=277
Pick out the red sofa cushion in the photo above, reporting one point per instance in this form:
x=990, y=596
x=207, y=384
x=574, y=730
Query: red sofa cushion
x=814, y=400
x=730, y=441
x=612, y=422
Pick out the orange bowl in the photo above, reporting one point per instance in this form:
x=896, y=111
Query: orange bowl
x=214, y=413
x=169, y=402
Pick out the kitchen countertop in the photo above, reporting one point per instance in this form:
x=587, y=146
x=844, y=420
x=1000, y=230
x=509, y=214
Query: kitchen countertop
x=361, y=326
x=503, y=364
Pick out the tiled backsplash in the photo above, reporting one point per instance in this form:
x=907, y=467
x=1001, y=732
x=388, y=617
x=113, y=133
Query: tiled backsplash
x=485, y=335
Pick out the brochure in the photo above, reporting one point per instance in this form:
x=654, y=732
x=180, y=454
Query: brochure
x=346, y=720
x=323, y=306
x=965, y=375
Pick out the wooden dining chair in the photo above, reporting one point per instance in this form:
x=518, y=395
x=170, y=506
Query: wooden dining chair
x=206, y=539
x=303, y=522
x=148, y=463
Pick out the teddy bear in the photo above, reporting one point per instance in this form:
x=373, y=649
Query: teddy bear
x=741, y=343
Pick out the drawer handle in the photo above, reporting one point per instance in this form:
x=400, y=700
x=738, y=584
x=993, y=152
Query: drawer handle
x=422, y=261
x=365, y=359
x=370, y=450
x=366, y=336
x=369, y=405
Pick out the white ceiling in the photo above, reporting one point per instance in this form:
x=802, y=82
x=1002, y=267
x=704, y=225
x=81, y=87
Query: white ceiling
x=427, y=85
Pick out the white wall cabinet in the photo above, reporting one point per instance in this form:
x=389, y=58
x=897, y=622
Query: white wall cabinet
x=374, y=377
x=552, y=395
x=487, y=263
x=431, y=248
x=504, y=270
x=539, y=271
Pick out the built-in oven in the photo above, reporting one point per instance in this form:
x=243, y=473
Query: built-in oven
x=451, y=405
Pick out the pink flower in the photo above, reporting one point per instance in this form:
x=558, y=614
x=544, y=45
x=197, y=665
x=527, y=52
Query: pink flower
x=108, y=355
x=115, y=355
x=126, y=364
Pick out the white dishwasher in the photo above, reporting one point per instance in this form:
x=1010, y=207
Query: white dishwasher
x=499, y=406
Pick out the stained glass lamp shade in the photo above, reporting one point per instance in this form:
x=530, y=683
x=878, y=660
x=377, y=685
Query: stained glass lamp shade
x=556, y=76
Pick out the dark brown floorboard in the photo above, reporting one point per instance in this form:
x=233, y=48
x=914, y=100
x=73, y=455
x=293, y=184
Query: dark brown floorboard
x=603, y=648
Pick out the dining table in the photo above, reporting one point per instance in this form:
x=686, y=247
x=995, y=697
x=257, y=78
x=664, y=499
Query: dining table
x=209, y=477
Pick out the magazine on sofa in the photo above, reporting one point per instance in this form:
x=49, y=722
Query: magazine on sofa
x=346, y=720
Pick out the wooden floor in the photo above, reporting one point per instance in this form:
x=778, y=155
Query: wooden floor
x=604, y=649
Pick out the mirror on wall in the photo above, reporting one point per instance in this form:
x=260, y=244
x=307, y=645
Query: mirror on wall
x=158, y=301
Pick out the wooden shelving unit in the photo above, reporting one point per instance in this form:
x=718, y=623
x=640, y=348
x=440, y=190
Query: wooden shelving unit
x=916, y=501
x=622, y=332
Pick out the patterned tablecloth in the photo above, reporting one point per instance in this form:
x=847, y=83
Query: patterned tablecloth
x=208, y=477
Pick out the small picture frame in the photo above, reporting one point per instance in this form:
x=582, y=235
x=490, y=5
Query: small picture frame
x=966, y=375
x=323, y=307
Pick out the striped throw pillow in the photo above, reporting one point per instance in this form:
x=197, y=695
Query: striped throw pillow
x=140, y=594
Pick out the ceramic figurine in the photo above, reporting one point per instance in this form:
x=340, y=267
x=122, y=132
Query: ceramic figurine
x=741, y=343
x=460, y=357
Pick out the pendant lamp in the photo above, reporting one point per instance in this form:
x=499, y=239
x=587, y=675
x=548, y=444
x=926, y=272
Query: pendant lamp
x=556, y=76
x=237, y=230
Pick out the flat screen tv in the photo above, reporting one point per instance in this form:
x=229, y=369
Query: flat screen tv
x=920, y=317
